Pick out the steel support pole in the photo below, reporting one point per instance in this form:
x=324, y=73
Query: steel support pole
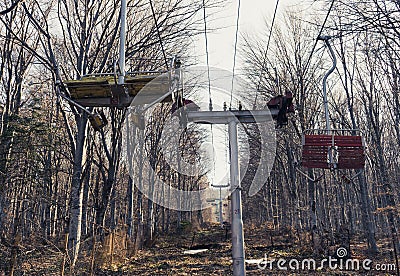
x=327, y=119
x=232, y=118
x=122, y=39
x=237, y=222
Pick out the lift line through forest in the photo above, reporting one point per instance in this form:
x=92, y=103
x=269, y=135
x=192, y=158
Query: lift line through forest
x=103, y=91
x=328, y=149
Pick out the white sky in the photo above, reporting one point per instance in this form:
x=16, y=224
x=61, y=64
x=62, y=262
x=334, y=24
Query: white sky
x=253, y=15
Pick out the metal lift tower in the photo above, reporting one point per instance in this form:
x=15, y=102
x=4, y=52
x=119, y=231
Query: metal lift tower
x=232, y=119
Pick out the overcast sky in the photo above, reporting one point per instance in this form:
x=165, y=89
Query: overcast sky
x=253, y=17
x=253, y=14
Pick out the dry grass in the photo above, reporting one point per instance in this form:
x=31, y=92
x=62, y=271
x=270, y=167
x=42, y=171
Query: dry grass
x=167, y=257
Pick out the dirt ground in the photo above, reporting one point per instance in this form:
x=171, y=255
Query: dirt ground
x=167, y=257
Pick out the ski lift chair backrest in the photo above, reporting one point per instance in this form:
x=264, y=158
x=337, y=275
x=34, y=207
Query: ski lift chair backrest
x=317, y=147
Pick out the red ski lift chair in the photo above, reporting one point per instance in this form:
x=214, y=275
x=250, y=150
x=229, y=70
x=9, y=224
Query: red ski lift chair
x=336, y=149
x=332, y=149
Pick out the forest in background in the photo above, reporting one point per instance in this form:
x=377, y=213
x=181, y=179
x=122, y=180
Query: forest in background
x=65, y=188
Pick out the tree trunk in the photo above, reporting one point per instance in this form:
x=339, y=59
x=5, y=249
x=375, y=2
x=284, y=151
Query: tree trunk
x=366, y=212
x=86, y=183
x=129, y=196
x=313, y=212
x=139, y=205
x=5, y=147
x=76, y=197
x=130, y=135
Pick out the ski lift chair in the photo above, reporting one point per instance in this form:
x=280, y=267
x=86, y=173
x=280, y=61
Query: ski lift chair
x=333, y=149
x=284, y=105
x=102, y=91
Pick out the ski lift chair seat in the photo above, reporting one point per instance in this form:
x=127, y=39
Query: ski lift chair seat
x=349, y=150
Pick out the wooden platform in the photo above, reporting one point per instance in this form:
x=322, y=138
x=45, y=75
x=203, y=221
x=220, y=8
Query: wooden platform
x=102, y=91
x=350, y=151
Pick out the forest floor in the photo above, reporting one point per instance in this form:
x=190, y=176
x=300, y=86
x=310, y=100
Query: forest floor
x=167, y=256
